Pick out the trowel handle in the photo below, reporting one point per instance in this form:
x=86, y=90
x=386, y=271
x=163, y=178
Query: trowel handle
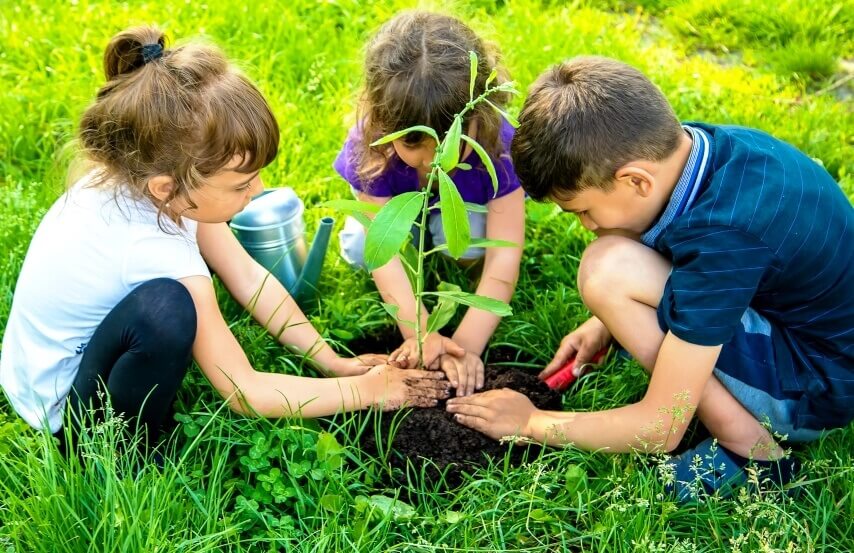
x=565, y=376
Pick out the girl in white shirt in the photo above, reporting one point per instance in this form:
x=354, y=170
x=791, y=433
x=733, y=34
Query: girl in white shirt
x=115, y=291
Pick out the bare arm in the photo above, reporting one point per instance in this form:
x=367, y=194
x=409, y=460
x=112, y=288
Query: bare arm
x=656, y=423
x=393, y=284
x=504, y=221
x=261, y=294
x=248, y=391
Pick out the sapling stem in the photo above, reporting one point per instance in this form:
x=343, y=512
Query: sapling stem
x=419, y=277
x=423, y=227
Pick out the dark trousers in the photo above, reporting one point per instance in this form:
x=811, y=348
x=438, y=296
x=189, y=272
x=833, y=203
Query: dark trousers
x=137, y=358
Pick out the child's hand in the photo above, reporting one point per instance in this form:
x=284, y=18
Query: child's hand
x=496, y=413
x=582, y=343
x=434, y=345
x=395, y=388
x=354, y=366
x=465, y=373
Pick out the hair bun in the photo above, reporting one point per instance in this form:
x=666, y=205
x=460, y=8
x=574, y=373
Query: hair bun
x=130, y=49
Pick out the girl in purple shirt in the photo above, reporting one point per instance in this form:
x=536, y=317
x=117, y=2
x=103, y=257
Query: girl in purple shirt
x=417, y=73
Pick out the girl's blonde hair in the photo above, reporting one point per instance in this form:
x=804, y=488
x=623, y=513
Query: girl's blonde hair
x=417, y=72
x=183, y=112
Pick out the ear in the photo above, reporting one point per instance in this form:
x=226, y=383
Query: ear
x=161, y=187
x=638, y=177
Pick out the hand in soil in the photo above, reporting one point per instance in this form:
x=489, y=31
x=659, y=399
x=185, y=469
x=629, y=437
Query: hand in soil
x=465, y=373
x=582, y=343
x=496, y=413
x=354, y=366
x=396, y=388
x=434, y=345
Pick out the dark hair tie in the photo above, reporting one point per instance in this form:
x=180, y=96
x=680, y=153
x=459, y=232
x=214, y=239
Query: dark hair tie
x=151, y=52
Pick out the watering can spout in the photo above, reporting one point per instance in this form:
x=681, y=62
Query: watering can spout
x=306, y=287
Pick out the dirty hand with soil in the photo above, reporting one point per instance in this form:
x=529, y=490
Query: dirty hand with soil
x=354, y=366
x=393, y=387
x=465, y=373
x=496, y=413
x=432, y=346
x=463, y=369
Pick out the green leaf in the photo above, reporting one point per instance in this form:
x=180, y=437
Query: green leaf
x=444, y=311
x=329, y=450
x=486, y=160
x=492, y=75
x=509, y=87
x=409, y=257
x=455, y=220
x=463, y=166
x=351, y=205
x=473, y=300
x=482, y=243
x=473, y=77
x=399, y=134
x=363, y=219
x=492, y=243
x=540, y=515
x=450, y=156
x=391, y=228
x=576, y=479
x=390, y=308
x=510, y=119
x=476, y=208
x=453, y=517
x=331, y=502
x=392, y=508
x=342, y=333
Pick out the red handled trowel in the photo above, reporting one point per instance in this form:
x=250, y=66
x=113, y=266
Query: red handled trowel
x=565, y=375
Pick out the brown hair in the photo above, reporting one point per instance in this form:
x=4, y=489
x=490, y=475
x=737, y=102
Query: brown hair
x=185, y=114
x=584, y=119
x=417, y=72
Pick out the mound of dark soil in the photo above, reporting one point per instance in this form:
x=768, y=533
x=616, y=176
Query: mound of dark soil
x=432, y=434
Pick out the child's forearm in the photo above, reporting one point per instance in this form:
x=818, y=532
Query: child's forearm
x=498, y=281
x=395, y=289
x=279, y=395
x=273, y=307
x=630, y=428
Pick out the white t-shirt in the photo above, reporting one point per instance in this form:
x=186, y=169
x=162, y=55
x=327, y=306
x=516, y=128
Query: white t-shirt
x=92, y=248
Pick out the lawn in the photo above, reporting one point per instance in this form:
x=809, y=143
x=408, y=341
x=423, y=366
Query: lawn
x=231, y=483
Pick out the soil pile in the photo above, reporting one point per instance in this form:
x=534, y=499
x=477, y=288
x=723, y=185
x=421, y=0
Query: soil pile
x=434, y=435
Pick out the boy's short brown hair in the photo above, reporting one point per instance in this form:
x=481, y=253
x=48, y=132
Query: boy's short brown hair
x=584, y=119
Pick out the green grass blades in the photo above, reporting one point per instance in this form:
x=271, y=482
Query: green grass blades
x=232, y=483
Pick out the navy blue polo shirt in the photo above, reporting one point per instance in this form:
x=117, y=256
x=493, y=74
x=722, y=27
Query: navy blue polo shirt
x=754, y=222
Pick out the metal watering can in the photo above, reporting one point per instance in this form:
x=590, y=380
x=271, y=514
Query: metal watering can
x=272, y=230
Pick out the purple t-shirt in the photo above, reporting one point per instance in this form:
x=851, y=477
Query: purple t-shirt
x=474, y=185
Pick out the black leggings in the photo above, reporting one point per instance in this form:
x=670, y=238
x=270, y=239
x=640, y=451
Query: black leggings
x=138, y=355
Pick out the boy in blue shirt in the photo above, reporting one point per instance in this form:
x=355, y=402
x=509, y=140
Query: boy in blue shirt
x=724, y=265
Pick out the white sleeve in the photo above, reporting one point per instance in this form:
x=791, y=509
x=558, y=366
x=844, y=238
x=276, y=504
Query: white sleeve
x=163, y=255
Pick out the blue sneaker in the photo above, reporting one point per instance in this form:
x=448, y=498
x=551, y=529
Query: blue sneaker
x=711, y=469
x=704, y=470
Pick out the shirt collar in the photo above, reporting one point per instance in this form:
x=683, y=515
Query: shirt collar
x=687, y=186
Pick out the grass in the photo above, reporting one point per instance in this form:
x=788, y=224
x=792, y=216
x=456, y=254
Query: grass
x=237, y=484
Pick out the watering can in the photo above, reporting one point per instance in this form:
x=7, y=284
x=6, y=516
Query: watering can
x=272, y=230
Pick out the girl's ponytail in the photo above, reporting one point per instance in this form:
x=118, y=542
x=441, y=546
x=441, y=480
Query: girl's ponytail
x=185, y=113
x=131, y=49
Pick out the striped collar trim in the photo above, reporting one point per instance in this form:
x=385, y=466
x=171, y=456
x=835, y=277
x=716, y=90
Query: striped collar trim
x=687, y=187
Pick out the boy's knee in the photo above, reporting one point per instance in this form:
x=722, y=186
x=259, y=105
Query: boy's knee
x=351, y=241
x=605, y=268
